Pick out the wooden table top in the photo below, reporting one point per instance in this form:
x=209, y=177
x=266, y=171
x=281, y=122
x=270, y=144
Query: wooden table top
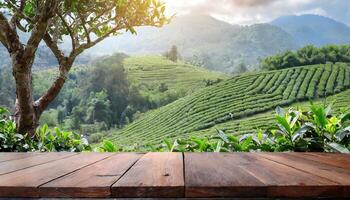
x=176, y=175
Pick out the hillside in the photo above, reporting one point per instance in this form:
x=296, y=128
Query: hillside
x=314, y=29
x=145, y=72
x=264, y=120
x=206, y=41
x=212, y=43
x=236, y=98
x=155, y=70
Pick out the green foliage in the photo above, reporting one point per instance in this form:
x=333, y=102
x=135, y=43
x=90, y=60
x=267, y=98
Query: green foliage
x=45, y=139
x=112, y=92
x=7, y=87
x=108, y=146
x=308, y=55
x=294, y=130
x=58, y=140
x=235, y=100
x=172, y=54
x=10, y=141
x=107, y=16
x=98, y=108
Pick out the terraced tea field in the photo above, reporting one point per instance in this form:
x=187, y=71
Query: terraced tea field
x=154, y=70
x=240, y=104
x=264, y=120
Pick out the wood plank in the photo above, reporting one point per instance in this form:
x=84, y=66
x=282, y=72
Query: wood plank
x=40, y=158
x=335, y=159
x=284, y=181
x=25, y=183
x=336, y=174
x=220, y=175
x=14, y=156
x=92, y=181
x=154, y=175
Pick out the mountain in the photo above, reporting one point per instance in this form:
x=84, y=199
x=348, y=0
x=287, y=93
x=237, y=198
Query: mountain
x=231, y=101
x=314, y=29
x=205, y=41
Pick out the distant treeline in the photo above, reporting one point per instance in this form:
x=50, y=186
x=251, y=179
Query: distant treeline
x=307, y=55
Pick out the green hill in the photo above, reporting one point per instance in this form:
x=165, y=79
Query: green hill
x=236, y=99
x=155, y=70
x=142, y=84
x=264, y=120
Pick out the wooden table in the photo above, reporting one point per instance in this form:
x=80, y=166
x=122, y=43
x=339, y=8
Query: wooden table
x=159, y=175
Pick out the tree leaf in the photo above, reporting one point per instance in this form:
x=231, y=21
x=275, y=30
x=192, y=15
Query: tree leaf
x=282, y=122
x=280, y=111
x=218, y=146
x=223, y=136
x=343, y=133
x=300, y=132
x=345, y=117
x=338, y=148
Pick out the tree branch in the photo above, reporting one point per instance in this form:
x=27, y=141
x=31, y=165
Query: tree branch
x=54, y=48
x=8, y=36
x=14, y=20
x=3, y=39
x=83, y=22
x=88, y=45
x=65, y=24
x=42, y=103
x=44, y=16
x=64, y=68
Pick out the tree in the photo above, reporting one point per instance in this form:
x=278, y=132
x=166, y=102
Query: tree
x=85, y=22
x=113, y=79
x=172, y=54
x=99, y=108
x=241, y=68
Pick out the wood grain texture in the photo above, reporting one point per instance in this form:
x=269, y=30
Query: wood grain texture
x=18, y=164
x=295, y=160
x=92, y=181
x=15, y=156
x=250, y=174
x=219, y=175
x=25, y=183
x=171, y=175
x=285, y=181
x=154, y=175
x=334, y=159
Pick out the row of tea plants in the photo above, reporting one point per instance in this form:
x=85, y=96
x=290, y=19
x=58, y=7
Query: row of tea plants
x=316, y=130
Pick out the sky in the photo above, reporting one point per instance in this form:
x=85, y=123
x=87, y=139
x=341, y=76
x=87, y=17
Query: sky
x=246, y=12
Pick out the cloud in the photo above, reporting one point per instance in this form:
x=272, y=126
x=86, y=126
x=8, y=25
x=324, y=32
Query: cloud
x=250, y=3
x=261, y=11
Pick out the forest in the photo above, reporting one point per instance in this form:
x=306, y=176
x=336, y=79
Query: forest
x=308, y=55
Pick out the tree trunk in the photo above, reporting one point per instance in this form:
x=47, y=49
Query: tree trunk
x=28, y=111
x=25, y=115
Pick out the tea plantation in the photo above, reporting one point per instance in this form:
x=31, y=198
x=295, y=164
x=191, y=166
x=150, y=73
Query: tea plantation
x=242, y=103
x=265, y=120
x=154, y=70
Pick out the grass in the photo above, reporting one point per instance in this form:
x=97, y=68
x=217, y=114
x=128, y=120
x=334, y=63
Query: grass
x=241, y=104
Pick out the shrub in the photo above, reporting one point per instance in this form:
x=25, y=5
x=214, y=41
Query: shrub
x=295, y=130
x=44, y=140
x=10, y=141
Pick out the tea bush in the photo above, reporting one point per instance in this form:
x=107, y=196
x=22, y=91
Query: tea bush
x=45, y=139
x=316, y=130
